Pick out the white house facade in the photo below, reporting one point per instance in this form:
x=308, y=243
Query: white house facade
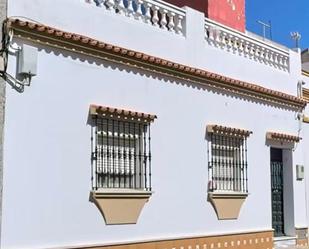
x=142, y=124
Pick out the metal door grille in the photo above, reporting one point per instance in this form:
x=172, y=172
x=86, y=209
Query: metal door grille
x=277, y=193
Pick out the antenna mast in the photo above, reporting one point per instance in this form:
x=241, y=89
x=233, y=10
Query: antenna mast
x=296, y=36
x=264, y=27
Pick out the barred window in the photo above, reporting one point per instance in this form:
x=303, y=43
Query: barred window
x=121, y=152
x=227, y=159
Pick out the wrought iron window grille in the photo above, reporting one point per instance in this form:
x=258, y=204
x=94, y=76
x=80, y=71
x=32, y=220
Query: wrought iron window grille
x=227, y=159
x=121, y=153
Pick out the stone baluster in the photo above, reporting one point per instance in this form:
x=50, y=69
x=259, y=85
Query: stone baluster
x=163, y=21
x=171, y=23
x=110, y=4
x=266, y=56
x=146, y=15
x=271, y=58
x=217, y=37
x=119, y=5
x=235, y=44
x=155, y=17
x=129, y=8
x=206, y=31
x=229, y=42
x=99, y=3
x=211, y=35
x=178, y=25
x=261, y=54
x=240, y=46
x=280, y=61
x=286, y=63
x=275, y=56
x=251, y=50
x=138, y=12
x=257, y=53
x=222, y=39
x=246, y=49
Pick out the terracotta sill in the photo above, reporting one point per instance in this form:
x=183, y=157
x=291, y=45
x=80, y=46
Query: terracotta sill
x=227, y=204
x=120, y=206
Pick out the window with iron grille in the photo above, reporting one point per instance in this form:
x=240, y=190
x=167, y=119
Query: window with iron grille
x=227, y=159
x=121, y=151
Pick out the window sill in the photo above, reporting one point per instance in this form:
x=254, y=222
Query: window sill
x=120, y=206
x=227, y=204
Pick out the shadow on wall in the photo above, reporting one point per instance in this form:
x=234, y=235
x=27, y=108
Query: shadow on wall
x=158, y=76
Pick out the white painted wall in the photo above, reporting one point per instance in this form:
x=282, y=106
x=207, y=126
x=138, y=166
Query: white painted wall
x=47, y=148
x=288, y=192
x=305, y=134
x=47, y=143
x=82, y=18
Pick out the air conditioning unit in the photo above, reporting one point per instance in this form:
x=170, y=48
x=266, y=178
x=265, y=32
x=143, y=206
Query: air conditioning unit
x=300, y=172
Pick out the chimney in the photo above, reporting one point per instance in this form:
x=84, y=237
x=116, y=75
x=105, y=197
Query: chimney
x=228, y=12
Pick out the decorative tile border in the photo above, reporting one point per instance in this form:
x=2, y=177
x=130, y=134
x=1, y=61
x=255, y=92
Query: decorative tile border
x=302, y=237
x=260, y=240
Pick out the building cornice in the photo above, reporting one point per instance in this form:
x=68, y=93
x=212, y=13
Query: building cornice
x=77, y=43
x=305, y=73
x=306, y=94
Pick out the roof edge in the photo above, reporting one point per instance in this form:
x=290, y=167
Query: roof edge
x=77, y=43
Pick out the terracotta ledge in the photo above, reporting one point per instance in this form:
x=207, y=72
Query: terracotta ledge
x=228, y=131
x=111, y=112
x=282, y=137
x=227, y=204
x=120, y=206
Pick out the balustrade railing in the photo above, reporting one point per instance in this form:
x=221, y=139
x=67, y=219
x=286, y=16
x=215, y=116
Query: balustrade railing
x=153, y=12
x=245, y=45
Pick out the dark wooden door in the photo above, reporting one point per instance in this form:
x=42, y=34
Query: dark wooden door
x=277, y=191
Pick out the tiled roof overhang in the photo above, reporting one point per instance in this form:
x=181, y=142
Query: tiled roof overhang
x=282, y=137
x=228, y=131
x=116, y=113
x=77, y=43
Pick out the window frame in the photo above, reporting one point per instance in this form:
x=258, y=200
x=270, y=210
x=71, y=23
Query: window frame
x=114, y=165
x=227, y=172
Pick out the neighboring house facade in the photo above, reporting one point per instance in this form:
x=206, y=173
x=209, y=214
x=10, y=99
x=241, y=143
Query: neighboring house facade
x=142, y=124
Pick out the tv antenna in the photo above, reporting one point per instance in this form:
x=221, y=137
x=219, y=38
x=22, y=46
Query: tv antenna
x=266, y=26
x=296, y=36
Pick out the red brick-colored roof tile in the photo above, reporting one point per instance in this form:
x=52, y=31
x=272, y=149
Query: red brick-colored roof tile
x=228, y=131
x=121, y=113
x=282, y=137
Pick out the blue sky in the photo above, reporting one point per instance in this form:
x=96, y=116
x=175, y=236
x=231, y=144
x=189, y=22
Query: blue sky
x=285, y=16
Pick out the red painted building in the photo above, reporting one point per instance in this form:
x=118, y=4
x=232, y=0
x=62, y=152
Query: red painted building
x=228, y=12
